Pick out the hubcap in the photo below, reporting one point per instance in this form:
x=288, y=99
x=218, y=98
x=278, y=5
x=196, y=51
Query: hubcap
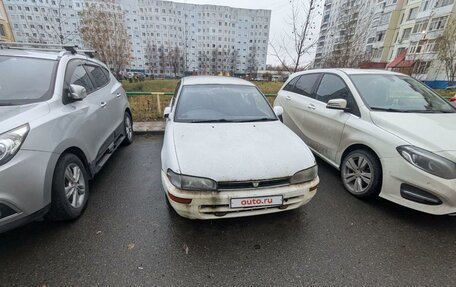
x=128, y=127
x=74, y=185
x=357, y=174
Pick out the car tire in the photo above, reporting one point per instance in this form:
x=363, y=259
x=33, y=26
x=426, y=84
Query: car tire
x=70, y=189
x=128, y=130
x=361, y=174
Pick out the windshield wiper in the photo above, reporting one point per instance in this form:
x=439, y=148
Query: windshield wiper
x=257, y=120
x=389, y=110
x=212, y=121
x=7, y=104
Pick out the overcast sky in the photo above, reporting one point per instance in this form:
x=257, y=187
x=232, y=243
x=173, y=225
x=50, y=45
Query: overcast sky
x=281, y=11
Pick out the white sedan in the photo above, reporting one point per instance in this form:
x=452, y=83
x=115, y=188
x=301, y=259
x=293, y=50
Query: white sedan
x=226, y=154
x=387, y=133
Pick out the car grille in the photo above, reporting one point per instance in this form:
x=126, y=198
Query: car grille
x=233, y=185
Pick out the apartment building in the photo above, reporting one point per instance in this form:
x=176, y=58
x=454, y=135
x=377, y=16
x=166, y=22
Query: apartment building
x=6, y=35
x=431, y=21
x=212, y=35
x=402, y=34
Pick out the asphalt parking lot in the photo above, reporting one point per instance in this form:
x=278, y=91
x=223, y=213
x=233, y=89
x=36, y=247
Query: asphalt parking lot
x=128, y=237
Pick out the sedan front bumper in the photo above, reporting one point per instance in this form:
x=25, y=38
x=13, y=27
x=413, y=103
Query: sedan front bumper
x=400, y=176
x=215, y=205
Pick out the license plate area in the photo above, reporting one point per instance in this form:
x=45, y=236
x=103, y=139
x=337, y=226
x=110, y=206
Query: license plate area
x=256, y=201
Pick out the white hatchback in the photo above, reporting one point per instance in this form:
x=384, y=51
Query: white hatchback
x=226, y=154
x=388, y=134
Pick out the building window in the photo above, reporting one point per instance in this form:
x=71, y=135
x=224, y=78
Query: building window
x=442, y=3
x=420, y=27
x=2, y=31
x=422, y=67
x=406, y=34
x=412, y=14
x=438, y=23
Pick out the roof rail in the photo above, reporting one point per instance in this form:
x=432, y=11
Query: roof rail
x=73, y=49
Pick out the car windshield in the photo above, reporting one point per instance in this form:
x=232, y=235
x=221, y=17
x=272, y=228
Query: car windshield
x=25, y=80
x=395, y=93
x=222, y=103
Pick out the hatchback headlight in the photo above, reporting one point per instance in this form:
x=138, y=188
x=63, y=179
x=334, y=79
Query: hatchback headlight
x=191, y=182
x=11, y=141
x=428, y=161
x=305, y=175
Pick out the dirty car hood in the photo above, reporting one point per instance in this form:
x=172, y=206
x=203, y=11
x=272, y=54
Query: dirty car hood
x=240, y=151
x=14, y=116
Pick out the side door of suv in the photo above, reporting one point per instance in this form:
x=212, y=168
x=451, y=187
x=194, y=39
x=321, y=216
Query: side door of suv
x=113, y=94
x=94, y=120
x=326, y=126
x=297, y=101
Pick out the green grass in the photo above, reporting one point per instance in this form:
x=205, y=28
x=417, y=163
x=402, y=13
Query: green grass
x=145, y=108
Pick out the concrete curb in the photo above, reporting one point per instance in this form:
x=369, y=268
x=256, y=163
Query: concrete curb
x=149, y=128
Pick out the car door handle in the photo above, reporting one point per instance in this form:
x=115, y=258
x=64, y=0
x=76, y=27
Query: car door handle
x=288, y=98
x=103, y=104
x=118, y=95
x=311, y=107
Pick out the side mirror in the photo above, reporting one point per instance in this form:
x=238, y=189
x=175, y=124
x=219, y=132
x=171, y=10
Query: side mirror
x=77, y=93
x=166, y=112
x=337, y=104
x=278, y=110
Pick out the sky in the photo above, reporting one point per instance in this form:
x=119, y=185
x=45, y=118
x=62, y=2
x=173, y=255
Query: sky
x=280, y=15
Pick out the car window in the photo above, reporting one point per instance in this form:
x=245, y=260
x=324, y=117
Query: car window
x=332, y=87
x=290, y=86
x=81, y=78
x=305, y=84
x=98, y=76
x=26, y=80
x=398, y=93
x=222, y=103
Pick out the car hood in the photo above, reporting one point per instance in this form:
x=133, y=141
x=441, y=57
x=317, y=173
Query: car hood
x=14, y=116
x=434, y=132
x=240, y=151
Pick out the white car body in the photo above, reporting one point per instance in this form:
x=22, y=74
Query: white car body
x=233, y=153
x=331, y=134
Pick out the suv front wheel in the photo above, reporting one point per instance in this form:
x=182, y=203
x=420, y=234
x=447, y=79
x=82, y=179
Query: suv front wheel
x=70, y=189
x=128, y=129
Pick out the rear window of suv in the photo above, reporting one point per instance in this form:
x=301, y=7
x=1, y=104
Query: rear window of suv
x=26, y=80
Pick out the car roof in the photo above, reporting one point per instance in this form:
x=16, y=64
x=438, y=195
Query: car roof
x=214, y=80
x=350, y=71
x=30, y=54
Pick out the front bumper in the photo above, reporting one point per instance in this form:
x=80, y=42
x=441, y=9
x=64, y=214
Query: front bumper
x=215, y=205
x=397, y=173
x=25, y=187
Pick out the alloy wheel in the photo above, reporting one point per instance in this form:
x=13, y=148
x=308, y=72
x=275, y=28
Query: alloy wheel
x=357, y=174
x=75, y=187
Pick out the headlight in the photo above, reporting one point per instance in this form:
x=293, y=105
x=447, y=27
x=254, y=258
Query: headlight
x=305, y=175
x=11, y=141
x=428, y=161
x=191, y=182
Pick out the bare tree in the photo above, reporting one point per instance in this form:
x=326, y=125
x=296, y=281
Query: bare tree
x=302, y=24
x=446, y=50
x=103, y=29
x=152, y=56
x=233, y=62
x=252, y=62
x=176, y=60
x=349, y=52
x=162, y=60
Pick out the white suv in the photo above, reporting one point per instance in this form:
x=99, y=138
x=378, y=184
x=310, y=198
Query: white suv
x=62, y=115
x=389, y=134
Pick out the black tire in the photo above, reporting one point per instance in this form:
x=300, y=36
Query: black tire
x=62, y=207
x=128, y=130
x=355, y=171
